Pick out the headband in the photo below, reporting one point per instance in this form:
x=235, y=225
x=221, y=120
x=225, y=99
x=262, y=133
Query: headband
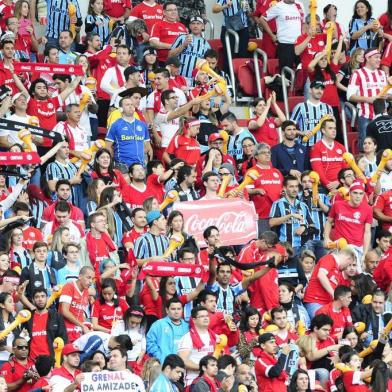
x=193, y=123
x=137, y=313
x=371, y=53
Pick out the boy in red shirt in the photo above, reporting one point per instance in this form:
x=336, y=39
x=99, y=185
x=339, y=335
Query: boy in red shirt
x=283, y=335
x=270, y=373
x=338, y=311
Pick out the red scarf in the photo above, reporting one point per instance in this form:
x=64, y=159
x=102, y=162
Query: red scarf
x=119, y=75
x=213, y=385
x=19, y=158
x=196, y=339
x=91, y=247
x=164, y=268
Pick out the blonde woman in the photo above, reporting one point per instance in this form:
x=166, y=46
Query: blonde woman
x=55, y=256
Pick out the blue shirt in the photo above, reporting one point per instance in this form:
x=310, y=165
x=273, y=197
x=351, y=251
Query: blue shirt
x=366, y=40
x=128, y=139
x=65, y=275
x=234, y=147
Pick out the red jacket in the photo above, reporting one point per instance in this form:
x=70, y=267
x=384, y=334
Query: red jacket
x=383, y=273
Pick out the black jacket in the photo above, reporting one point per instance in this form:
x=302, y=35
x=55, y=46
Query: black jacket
x=55, y=328
x=365, y=314
x=35, y=277
x=282, y=160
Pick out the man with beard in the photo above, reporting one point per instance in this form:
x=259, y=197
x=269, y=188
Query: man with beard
x=290, y=216
x=44, y=326
x=67, y=377
x=290, y=157
x=18, y=372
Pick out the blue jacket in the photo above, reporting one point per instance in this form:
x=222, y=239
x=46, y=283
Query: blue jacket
x=282, y=161
x=160, y=338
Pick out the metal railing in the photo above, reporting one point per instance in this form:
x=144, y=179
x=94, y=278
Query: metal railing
x=230, y=57
x=211, y=27
x=347, y=106
x=285, y=71
x=258, y=52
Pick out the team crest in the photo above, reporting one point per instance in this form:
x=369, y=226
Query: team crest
x=357, y=215
x=339, y=151
x=139, y=128
x=276, y=175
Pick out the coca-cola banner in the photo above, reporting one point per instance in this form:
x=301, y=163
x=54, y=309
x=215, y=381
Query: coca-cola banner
x=235, y=218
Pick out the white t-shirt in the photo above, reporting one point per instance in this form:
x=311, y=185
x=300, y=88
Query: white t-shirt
x=386, y=181
x=167, y=129
x=13, y=136
x=196, y=355
x=288, y=20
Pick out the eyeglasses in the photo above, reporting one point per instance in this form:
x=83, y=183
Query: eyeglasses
x=22, y=347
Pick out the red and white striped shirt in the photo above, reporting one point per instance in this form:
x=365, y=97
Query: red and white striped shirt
x=366, y=83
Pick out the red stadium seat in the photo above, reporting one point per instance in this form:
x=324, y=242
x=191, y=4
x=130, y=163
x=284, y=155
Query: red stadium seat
x=352, y=139
x=245, y=75
x=272, y=67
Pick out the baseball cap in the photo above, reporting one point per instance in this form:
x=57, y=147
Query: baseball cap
x=173, y=60
x=131, y=70
x=357, y=185
x=214, y=136
x=265, y=337
x=153, y=215
x=317, y=84
x=196, y=19
x=16, y=96
x=70, y=348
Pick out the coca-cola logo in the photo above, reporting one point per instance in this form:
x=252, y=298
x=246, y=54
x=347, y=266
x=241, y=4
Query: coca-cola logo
x=228, y=222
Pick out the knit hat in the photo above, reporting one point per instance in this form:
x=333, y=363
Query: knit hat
x=229, y=167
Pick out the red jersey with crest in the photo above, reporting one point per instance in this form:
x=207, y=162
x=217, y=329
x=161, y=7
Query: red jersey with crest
x=315, y=45
x=45, y=110
x=186, y=148
x=349, y=221
x=116, y=8
x=353, y=383
x=151, y=14
x=108, y=313
x=327, y=161
x=134, y=197
x=166, y=32
x=271, y=181
x=315, y=292
x=268, y=384
x=267, y=133
x=78, y=301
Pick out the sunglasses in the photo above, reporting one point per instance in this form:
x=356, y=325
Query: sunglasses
x=22, y=347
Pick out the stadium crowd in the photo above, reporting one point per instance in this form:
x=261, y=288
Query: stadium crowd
x=105, y=133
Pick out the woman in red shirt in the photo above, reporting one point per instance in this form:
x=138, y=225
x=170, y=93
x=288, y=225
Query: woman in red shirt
x=184, y=144
x=263, y=126
x=320, y=70
x=104, y=169
x=108, y=308
x=353, y=379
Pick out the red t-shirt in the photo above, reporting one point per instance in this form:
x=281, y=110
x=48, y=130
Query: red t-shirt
x=315, y=292
x=46, y=112
x=13, y=371
x=385, y=23
x=30, y=236
x=118, y=180
x=78, y=301
x=39, y=339
x=271, y=180
x=353, y=383
x=267, y=133
x=341, y=319
x=76, y=214
x=186, y=148
x=290, y=337
x=327, y=161
x=315, y=45
x=330, y=96
x=382, y=275
x=384, y=203
x=156, y=187
x=151, y=14
x=116, y=8
x=350, y=221
x=107, y=313
x=166, y=32
x=134, y=197
x=132, y=236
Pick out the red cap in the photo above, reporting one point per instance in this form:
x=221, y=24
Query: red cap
x=70, y=348
x=214, y=136
x=357, y=185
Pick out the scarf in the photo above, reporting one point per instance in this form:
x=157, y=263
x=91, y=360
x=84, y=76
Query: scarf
x=19, y=158
x=119, y=75
x=196, y=339
x=163, y=268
